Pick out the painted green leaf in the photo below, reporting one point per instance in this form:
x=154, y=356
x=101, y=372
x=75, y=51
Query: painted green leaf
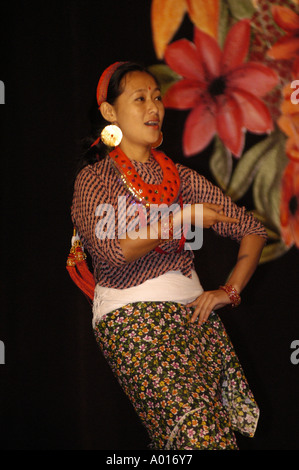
x=272, y=234
x=241, y=9
x=221, y=164
x=224, y=20
x=165, y=76
x=248, y=166
x=273, y=251
x=267, y=183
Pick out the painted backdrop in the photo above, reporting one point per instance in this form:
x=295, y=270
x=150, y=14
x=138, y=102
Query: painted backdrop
x=228, y=70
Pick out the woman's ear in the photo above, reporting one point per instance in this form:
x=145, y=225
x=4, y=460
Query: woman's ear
x=107, y=111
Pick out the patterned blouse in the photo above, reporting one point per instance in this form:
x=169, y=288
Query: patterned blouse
x=98, y=184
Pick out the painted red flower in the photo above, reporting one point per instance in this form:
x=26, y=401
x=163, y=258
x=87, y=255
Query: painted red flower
x=286, y=47
x=289, y=118
x=289, y=206
x=265, y=34
x=222, y=91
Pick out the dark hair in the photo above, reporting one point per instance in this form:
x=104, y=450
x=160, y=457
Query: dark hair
x=91, y=155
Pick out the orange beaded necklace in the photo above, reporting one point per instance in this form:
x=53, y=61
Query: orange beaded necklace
x=166, y=192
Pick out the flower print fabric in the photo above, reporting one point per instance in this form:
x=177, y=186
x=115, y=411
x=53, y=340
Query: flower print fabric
x=185, y=382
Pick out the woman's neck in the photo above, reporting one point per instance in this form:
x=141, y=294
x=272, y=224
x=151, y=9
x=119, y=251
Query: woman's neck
x=138, y=153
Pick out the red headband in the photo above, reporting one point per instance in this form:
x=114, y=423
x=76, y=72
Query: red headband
x=103, y=87
x=104, y=82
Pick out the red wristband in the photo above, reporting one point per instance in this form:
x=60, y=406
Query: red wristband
x=234, y=297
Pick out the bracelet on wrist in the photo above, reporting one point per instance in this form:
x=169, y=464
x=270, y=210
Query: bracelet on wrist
x=234, y=296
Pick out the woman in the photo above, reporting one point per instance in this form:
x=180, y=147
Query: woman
x=154, y=323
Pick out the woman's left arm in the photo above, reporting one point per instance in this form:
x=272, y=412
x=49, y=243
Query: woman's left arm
x=248, y=232
x=250, y=250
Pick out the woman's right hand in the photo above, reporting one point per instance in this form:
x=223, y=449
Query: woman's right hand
x=212, y=214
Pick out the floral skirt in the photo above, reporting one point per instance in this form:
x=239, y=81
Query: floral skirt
x=184, y=381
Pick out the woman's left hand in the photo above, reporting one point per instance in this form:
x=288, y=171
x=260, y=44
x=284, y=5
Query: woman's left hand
x=206, y=303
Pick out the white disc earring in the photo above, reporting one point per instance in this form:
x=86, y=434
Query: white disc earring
x=111, y=135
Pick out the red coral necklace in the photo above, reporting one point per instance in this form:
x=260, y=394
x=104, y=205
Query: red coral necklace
x=166, y=192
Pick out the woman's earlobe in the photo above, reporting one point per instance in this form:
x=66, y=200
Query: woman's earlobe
x=107, y=111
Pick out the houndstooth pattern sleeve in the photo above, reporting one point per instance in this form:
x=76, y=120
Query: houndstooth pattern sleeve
x=90, y=193
x=199, y=190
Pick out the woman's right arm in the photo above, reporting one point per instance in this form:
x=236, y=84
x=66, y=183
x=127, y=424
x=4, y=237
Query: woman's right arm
x=90, y=193
x=149, y=239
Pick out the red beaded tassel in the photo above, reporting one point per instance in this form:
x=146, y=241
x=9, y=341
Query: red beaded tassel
x=78, y=270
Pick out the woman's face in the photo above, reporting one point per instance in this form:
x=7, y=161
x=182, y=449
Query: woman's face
x=139, y=110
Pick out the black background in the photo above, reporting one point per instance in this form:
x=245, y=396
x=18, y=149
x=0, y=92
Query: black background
x=56, y=390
